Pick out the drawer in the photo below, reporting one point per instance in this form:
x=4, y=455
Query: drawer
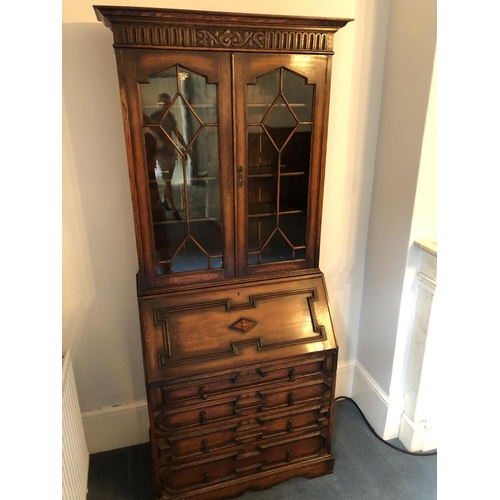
x=182, y=477
x=294, y=420
x=293, y=450
x=240, y=404
x=210, y=439
x=296, y=394
x=214, y=329
x=208, y=388
x=195, y=444
x=170, y=419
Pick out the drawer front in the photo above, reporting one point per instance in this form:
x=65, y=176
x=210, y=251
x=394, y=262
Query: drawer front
x=195, y=416
x=186, y=476
x=214, y=329
x=293, y=450
x=297, y=394
x=194, y=445
x=240, y=404
x=296, y=420
x=208, y=388
x=208, y=440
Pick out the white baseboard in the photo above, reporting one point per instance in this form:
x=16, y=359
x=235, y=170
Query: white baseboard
x=372, y=400
x=345, y=375
x=116, y=427
x=124, y=425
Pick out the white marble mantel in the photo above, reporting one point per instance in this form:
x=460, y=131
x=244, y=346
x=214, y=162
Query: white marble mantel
x=430, y=246
x=418, y=430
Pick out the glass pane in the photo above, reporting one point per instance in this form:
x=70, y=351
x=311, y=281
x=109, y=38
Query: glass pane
x=259, y=230
x=262, y=195
x=293, y=193
x=300, y=253
x=294, y=228
x=189, y=258
x=216, y=262
x=278, y=168
x=201, y=96
x=262, y=154
x=164, y=83
x=261, y=95
x=296, y=155
x=168, y=238
x=204, y=158
x=253, y=259
x=207, y=234
x=180, y=124
x=182, y=144
x=277, y=249
x=280, y=123
x=150, y=141
x=299, y=95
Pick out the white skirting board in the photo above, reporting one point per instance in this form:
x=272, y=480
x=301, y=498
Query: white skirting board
x=383, y=412
x=124, y=425
x=116, y=427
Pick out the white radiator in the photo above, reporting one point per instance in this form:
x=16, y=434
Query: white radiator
x=75, y=456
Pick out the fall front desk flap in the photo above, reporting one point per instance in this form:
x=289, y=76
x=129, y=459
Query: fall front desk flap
x=221, y=328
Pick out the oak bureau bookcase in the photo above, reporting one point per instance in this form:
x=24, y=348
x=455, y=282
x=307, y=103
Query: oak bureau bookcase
x=225, y=119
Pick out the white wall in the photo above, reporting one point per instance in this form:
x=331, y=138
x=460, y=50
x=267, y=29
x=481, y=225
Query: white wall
x=405, y=95
x=100, y=319
x=423, y=226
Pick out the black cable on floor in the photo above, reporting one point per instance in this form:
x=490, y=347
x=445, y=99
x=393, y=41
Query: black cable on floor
x=414, y=453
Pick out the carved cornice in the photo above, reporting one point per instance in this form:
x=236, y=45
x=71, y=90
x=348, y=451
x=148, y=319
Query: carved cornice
x=141, y=35
x=163, y=28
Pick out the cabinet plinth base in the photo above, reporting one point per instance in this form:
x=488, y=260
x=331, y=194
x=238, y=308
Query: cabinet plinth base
x=261, y=481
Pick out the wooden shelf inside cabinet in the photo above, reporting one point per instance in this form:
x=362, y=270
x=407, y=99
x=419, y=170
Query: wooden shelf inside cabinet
x=225, y=119
x=269, y=209
x=262, y=171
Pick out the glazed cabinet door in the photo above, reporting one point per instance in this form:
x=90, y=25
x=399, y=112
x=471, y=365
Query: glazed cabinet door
x=177, y=114
x=280, y=129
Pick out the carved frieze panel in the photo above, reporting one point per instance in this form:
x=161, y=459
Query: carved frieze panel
x=155, y=35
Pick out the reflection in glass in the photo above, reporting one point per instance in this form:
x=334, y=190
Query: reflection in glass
x=299, y=93
x=261, y=95
x=181, y=144
x=279, y=122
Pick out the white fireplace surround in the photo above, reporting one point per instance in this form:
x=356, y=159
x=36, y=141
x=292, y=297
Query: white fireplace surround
x=418, y=422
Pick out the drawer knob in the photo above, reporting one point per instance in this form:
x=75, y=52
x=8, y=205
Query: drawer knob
x=290, y=426
x=203, y=417
x=288, y=457
x=291, y=400
x=204, y=445
x=206, y=477
x=201, y=393
x=291, y=375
